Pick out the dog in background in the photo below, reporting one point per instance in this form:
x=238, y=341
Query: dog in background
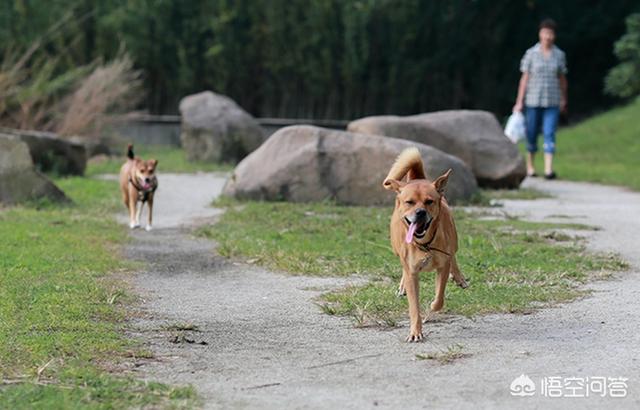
x=138, y=183
x=423, y=233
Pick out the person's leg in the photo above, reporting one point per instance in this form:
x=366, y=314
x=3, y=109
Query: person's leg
x=549, y=125
x=532, y=121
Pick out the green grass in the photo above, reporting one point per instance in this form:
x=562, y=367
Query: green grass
x=492, y=197
x=512, y=265
x=604, y=148
x=170, y=159
x=62, y=306
x=520, y=194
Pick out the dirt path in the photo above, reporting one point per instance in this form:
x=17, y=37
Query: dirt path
x=260, y=341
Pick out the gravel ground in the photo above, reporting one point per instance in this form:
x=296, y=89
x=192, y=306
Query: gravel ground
x=249, y=338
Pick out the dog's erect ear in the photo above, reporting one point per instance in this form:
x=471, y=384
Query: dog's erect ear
x=154, y=162
x=393, y=184
x=441, y=182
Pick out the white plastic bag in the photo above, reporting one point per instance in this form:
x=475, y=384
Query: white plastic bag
x=515, y=129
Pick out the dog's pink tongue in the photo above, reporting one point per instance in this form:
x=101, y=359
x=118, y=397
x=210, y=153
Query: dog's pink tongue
x=410, y=232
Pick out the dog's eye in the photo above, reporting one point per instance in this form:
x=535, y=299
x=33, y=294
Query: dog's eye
x=410, y=202
x=429, y=202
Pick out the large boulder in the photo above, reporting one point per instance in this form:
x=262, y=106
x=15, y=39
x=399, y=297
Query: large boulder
x=310, y=164
x=19, y=181
x=216, y=129
x=473, y=136
x=51, y=153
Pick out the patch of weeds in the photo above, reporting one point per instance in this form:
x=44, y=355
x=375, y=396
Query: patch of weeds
x=558, y=236
x=182, y=327
x=453, y=353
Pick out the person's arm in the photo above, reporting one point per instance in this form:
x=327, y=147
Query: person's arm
x=563, y=89
x=522, y=88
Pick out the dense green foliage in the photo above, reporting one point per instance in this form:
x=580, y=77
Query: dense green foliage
x=327, y=58
x=624, y=79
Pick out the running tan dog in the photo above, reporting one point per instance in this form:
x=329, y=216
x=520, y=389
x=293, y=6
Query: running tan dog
x=423, y=233
x=138, y=183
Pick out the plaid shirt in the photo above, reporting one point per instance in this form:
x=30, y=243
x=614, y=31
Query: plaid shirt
x=543, y=87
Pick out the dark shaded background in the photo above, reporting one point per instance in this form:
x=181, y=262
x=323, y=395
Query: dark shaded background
x=328, y=58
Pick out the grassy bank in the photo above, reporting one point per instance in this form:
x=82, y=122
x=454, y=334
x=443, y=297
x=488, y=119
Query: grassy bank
x=512, y=265
x=170, y=159
x=62, y=306
x=602, y=149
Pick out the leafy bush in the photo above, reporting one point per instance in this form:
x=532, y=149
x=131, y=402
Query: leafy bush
x=624, y=79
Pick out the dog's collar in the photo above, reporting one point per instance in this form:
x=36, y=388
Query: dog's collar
x=428, y=248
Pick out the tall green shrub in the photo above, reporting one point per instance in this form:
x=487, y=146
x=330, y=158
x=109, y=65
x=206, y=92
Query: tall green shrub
x=624, y=79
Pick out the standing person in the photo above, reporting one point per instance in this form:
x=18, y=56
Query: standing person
x=542, y=93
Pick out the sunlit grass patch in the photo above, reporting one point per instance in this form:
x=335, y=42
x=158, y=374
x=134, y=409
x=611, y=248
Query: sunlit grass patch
x=603, y=148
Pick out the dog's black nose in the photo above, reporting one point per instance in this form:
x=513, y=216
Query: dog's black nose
x=421, y=213
x=147, y=180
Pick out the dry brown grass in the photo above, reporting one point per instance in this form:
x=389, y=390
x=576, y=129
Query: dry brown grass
x=34, y=94
x=110, y=90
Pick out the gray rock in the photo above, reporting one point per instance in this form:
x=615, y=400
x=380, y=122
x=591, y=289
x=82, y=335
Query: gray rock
x=19, y=181
x=309, y=164
x=473, y=136
x=216, y=129
x=51, y=153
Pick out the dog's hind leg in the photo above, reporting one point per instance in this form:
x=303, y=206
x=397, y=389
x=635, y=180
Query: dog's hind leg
x=401, y=290
x=441, y=284
x=457, y=276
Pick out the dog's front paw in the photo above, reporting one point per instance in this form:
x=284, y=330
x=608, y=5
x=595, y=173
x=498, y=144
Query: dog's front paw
x=148, y=228
x=415, y=335
x=401, y=292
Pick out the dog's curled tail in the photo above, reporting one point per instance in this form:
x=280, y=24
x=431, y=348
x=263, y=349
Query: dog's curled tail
x=408, y=163
x=130, y=151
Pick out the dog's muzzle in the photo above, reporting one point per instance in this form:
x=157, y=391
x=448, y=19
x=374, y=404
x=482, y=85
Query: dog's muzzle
x=418, y=223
